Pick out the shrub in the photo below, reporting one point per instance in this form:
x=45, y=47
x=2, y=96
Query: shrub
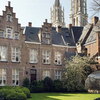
x=48, y=84
x=26, y=83
x=16, y=96
x=26, y=91
x=58, y=86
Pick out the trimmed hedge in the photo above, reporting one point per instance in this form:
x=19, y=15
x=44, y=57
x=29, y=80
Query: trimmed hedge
x=14, y=93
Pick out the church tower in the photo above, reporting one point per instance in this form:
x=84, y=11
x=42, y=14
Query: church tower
x=78, y=14
x=57, y=14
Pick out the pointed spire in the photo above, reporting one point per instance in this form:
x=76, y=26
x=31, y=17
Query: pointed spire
x=57, y=3
x=9, y=3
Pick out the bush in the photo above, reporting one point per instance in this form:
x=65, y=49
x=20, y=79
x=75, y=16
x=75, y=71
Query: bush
x=48, y=84
x=26, y=83
x=37, y=86
x=16, y=96
x=58, y=86
x=26, y=91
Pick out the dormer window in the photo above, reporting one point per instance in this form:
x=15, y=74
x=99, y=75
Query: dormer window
x=9, y=33
x=9, y=17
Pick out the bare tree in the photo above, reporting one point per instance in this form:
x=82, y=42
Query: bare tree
x=95, y=6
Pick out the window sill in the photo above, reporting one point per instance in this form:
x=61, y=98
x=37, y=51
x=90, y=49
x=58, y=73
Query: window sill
x=46, y=64
x=4, y=61
x=33, y=63
x=58, y=64
x=15, y=62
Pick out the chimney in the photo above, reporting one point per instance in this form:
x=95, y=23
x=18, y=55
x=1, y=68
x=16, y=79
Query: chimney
x=95, y=19
x=30, y=24
x=70, y=25
x=9, y=3
x=46, y=20
x=58, y=28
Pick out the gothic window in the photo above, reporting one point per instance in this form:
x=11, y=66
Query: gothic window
x=9, y=17
x=15, y=55
x=3, y=53
x=57, y=75
x=1, y=33
x=46, y=73
x=46, y=57
x=3, y=77
x=33, y=56
x=9, y=33
x=15, y=77
x=58, y=58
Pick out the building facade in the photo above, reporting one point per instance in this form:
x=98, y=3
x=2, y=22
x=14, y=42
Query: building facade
x=32, y=52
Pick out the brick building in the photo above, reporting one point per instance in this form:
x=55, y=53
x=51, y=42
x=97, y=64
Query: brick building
x=32, y=52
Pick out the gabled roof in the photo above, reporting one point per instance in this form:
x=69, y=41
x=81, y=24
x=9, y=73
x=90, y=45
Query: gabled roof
x=58, y=38
x=77, y=31
x=92, y=36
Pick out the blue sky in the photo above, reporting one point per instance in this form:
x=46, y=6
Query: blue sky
x=36, y=11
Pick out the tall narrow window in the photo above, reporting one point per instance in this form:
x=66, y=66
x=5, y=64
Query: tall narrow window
x=3, y=53
x=15, y=55
x=3, y=77
x=15, y=77
x=1, y=33
x=33, y=56
x=57, y=75
x=9, y=17
x=16, y=36
x=46, y=57
x=9, y=33
x=58, y=58
x=46, y=73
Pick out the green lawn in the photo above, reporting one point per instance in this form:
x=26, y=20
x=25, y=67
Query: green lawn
x=63, y=96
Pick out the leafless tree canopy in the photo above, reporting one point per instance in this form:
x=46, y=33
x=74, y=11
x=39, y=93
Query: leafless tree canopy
x=95, y=6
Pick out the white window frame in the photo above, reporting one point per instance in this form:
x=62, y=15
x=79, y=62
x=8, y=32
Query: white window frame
x=15, y=77
x=9, y=17
x=3, y=53
x=46, y=54
x=58, y=58
x=16, y=36
x=9, y=33
x=33, y=56
x=1, y=33
x=3, y=77
x=15, y=54
x=46, y=73
x=58, y=74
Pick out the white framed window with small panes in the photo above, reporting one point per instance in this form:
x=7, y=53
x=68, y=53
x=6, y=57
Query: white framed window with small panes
x=3, y=77
x=46, y=73
x=15, y=54
x=58, y=58
x=9, y=33
x=3, y=53
x=33, y=56
x=1, y=33
x=57, y=75
x=15, y=77
x=46, y=54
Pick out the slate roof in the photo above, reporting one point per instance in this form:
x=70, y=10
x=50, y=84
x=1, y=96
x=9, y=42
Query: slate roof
x=64, y=38
x=57, y=3
x=92, y=36
x=86, y=31
x=77, y=31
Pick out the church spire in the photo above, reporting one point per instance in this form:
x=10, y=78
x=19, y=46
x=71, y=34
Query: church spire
x=57, y=15
x=78, y=14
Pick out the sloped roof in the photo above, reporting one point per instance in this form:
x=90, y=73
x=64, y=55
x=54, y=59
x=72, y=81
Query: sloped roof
x=92, y=36
x=77, y=31
x=57, y=3
x=58, y=38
